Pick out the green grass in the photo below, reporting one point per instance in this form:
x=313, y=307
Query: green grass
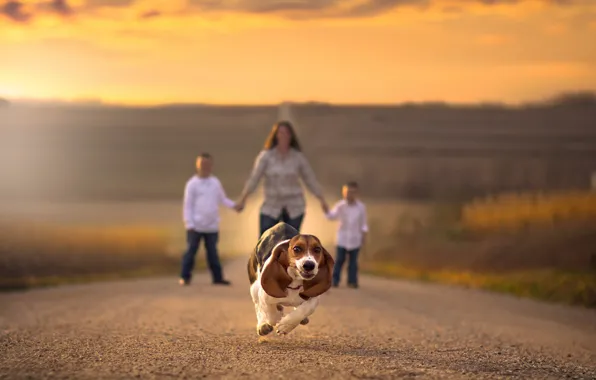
x=573, y=288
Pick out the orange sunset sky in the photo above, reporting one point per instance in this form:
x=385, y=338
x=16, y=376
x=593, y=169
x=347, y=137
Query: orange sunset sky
x=266, y=51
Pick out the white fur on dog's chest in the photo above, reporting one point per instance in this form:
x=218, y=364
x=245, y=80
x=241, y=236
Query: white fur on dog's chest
x=293, y=295
x=293, y=298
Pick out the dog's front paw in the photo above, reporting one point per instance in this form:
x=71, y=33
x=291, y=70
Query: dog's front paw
x=264, y=329
x=284, y=328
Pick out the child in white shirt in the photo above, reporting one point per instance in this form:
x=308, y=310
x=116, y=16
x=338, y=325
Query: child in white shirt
x=203, y=195
x=351, y=233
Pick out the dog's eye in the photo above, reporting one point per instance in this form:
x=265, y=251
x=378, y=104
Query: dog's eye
x=297, y=249
x=317, y=249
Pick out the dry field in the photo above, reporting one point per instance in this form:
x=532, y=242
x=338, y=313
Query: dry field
x=88, y=154
x=530, y=250
x=421, y=152
x=440, y=152
x=514, y=211
x=37, y=254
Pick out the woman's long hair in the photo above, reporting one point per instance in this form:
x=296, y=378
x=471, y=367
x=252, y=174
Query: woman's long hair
x=271, y=141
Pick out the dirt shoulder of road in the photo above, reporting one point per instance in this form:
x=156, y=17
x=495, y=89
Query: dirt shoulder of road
x=33, y=281
x=567, y=287
x=540, y=262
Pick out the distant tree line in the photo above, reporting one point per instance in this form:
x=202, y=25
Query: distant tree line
x=585, y=98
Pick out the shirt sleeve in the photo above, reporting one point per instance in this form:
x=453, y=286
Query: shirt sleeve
x=188, y=205
x=257, y=173
x=223, y=198
x=333, y=214
x=308, y=175
x=364, y=222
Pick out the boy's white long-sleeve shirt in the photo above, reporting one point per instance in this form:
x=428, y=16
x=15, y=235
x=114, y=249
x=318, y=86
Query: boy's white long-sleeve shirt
x=202, y=198
x=352, y=223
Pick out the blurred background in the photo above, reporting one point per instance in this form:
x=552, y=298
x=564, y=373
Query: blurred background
x=492, y=185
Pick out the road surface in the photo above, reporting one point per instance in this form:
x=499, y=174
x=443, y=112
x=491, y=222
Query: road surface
x=152, y=328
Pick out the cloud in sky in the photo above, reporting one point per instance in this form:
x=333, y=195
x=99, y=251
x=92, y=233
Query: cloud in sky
x=108, y=3
x=21, y=12
x=353, y=7
x=264, y=6
x=61, y=7
x=15, y=11
x=150, y=14
x=304, y=9
x=375, y=7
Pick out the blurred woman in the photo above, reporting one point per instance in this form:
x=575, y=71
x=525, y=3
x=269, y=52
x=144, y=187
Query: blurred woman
x=282, y=164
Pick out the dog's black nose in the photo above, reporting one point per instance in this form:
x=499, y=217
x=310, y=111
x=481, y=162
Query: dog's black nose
x=309, y=265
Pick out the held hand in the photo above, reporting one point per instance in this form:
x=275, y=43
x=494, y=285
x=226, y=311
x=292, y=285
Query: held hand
x=324, y=206
x=240, y=204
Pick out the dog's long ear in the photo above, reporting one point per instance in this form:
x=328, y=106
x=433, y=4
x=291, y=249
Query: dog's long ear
x=322, y=281
x=275, y=278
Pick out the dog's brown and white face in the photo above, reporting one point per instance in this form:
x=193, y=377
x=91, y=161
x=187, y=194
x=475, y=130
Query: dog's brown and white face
x=305, y=255
x=302, y=257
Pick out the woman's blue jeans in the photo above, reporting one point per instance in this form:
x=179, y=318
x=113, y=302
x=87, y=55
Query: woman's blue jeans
x=266, y=221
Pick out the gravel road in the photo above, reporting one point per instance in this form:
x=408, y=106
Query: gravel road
x=387, y=329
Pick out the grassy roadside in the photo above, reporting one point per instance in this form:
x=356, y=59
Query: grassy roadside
x=32, y=281
x=50, y=255
x=572, y=288
x=553, y=262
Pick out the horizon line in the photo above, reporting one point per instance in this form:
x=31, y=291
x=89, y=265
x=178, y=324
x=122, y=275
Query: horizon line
x=98, y=102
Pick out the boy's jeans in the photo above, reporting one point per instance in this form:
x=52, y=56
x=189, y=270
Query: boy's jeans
x=193, y=239
x=352, y=265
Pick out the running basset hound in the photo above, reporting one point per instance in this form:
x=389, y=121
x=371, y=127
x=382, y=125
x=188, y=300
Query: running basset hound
x=287, y=269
